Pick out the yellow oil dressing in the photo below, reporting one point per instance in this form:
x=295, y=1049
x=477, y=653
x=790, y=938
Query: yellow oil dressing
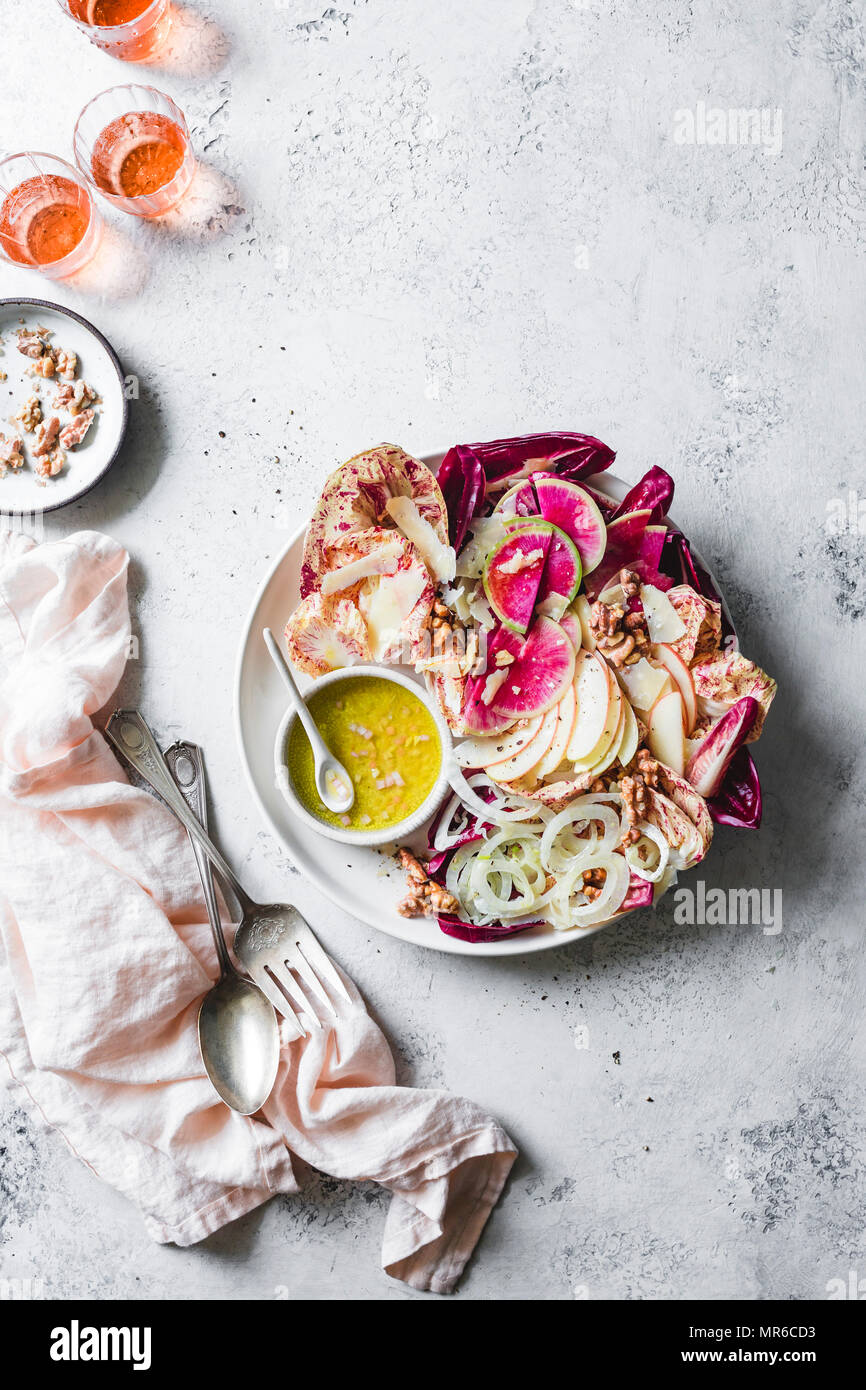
x=387, y=740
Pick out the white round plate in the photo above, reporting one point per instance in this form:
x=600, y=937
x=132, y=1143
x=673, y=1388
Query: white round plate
x=368, y=883
x=98, y=364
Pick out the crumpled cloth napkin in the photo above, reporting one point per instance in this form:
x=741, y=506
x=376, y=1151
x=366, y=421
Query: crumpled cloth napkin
x=105, y=954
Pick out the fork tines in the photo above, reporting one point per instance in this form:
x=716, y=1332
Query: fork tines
x=294, y=969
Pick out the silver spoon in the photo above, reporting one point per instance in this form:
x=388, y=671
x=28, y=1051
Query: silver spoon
x=333, y=783
x=238, y=1031
x=273, y=940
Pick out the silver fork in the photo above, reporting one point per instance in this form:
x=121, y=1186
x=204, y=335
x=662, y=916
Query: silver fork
x=273, y=940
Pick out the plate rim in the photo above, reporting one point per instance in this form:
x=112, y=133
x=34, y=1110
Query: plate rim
x=520, y=945
x=124, y=418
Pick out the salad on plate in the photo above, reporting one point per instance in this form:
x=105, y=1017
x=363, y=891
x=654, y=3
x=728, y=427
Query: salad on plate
x=580, y=654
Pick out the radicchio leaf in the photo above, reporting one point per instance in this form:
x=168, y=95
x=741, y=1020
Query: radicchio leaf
x=461, y=478
x=572, y=456
x=655, y=490
x=713, y=756
x=640, y=894
x=680, y=564
x=494, y=931
x=739, y=801
x=635, y=542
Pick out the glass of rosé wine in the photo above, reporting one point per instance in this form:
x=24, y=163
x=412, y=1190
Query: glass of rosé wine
x=133, y=145
x=129, y=29
x=48, y=218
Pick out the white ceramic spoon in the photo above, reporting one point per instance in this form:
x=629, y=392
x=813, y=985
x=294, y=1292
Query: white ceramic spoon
x=333, y=783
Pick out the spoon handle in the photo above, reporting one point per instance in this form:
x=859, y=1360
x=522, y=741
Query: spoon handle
x=131, y=736
x=298, y=701
x=186, y=765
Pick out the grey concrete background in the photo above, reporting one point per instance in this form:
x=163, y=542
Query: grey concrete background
x=430, y=223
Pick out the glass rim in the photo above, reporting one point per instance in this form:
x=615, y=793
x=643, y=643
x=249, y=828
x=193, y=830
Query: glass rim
x=45, y=154
x=86, y=173
x=94, y=217
x=127, y=87
x=110, y=28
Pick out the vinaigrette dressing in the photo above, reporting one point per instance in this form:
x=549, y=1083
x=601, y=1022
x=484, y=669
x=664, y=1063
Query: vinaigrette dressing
x=386, y=738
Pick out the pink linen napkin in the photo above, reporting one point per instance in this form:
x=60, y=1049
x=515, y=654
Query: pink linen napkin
x=105, y=954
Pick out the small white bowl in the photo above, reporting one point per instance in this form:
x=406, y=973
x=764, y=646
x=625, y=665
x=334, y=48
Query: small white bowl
x=448, y=767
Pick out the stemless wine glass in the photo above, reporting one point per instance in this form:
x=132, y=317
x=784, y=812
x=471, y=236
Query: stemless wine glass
x=128, y=29
x=48, y=219
x=133, y=145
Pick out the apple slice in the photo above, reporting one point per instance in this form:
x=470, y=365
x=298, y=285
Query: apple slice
x=666, y=738
x=602, y=761
x=583, y=611
x=522, y=763
x=612, y=727
x=593, y=694
x=682, y=678
x=566, y=713
x=630, y=736
x=481, y=752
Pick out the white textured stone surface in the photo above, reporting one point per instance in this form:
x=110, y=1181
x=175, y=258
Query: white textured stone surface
x=441, y=222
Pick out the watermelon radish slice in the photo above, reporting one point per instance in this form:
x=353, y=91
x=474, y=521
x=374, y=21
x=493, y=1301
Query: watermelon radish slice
x=541, y=674
x=477, y=713
x=563, y=571
x=518, y=501
x=513, y=571
x=572, y=509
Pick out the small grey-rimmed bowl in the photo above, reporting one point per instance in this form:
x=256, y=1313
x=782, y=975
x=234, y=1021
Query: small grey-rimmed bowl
x=448, y=770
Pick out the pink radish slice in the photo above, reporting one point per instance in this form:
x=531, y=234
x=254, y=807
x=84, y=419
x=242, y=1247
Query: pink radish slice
x=572, y=509
x=513, y=573
x=541, y=674
x=477, y=716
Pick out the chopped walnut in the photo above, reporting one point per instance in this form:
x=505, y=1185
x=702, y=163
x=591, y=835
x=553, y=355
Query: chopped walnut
x=67, y=364
x=415, y=870
x=593, y=883
x=10, y=454
x=83, y=396
x=32, y=344
x=425, y=898
x=619, y=652
x=605, y=619
x=49, y=465
x=629, y=582
x=77, y=429
x=74, y=396
x=30, y=414
x=44, y=366
x=635, y=791
x=621, y=636
x=46, y=437
x=648, y=768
